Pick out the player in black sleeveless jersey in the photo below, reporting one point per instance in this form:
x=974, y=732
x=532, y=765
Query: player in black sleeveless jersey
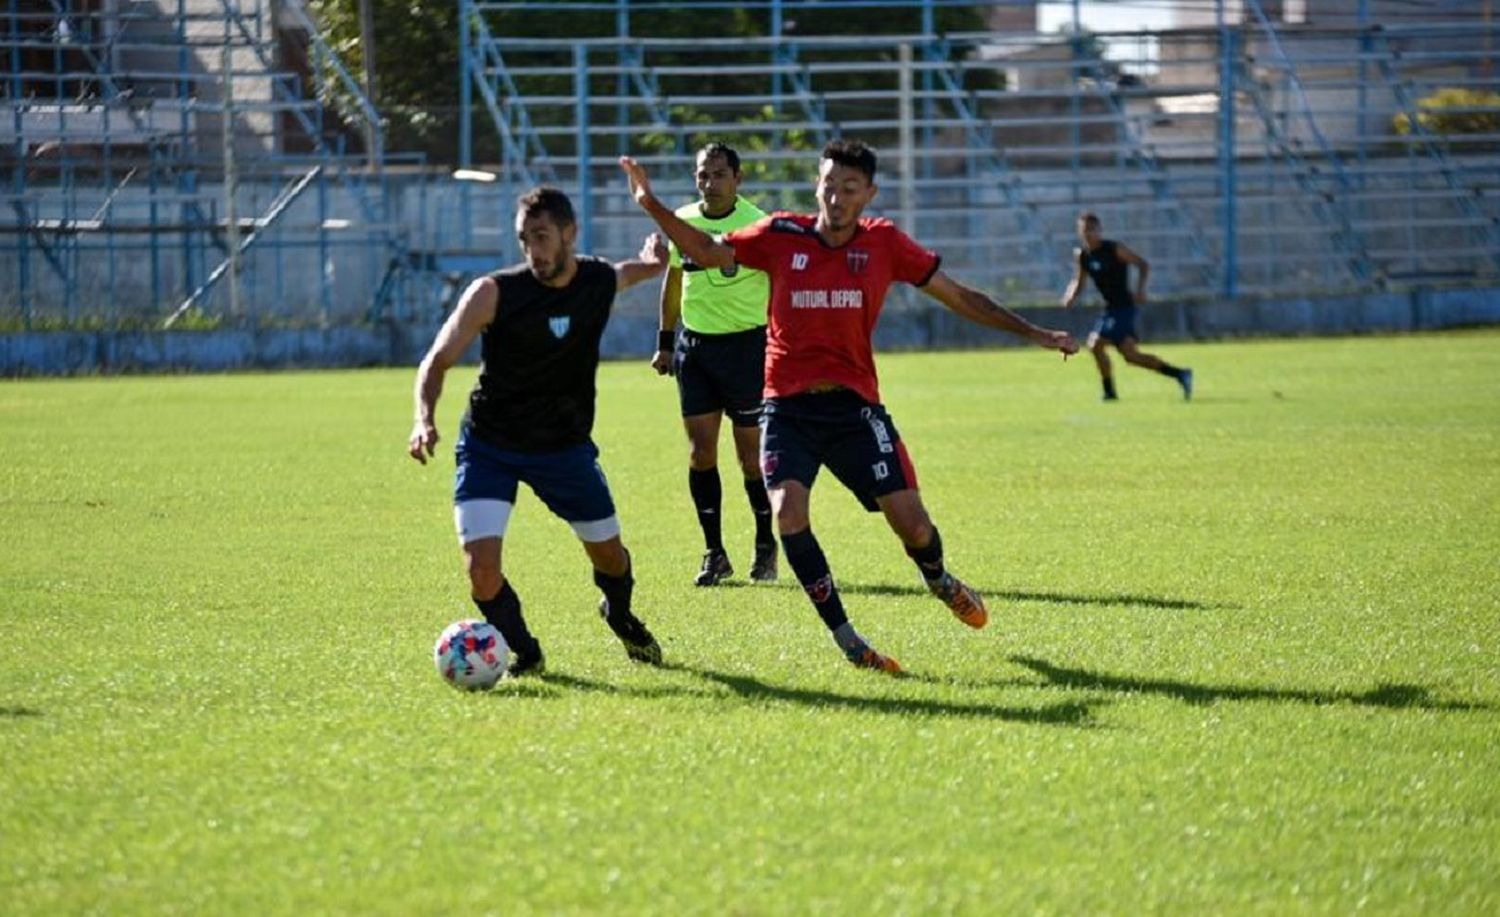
x=1108, y=263
x=531, y=415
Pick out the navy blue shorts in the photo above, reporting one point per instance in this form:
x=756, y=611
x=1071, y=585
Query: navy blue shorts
x=569, y=481
x=1115, y=325
x=721, y=372
x=855, y=439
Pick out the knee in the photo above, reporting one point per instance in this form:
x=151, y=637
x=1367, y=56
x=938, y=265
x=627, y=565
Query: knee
x=703, y=455
x=750, y=467
x=791, y=519
x=484, y=578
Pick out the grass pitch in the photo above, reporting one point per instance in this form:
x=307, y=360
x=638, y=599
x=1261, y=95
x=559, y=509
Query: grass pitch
x=1242, y=655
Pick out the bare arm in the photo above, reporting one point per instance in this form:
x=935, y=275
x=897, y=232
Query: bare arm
x=695, y=244
x=649, y=263
x=1142, y=270
x=475, y=310
x=668, y=312
x=980, y=308
x=1075, y=286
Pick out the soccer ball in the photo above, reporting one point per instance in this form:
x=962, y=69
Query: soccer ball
x=471, y=655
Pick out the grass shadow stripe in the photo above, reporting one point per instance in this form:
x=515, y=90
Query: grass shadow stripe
x=1065, y=598
x=1389, y=696
x=1077, y=714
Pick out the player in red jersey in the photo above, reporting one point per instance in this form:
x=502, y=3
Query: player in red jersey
x=829, y=276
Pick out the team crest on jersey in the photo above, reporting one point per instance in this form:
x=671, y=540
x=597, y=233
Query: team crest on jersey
x=858, y=259
x=559, y=325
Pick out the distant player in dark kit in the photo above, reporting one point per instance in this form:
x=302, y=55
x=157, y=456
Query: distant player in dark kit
x=531, y=415
x=1108, y=263
x=719, y=362
x=829, y=275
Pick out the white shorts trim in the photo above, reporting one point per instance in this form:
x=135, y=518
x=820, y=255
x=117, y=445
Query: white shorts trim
x=476, y=519
x=598, y=530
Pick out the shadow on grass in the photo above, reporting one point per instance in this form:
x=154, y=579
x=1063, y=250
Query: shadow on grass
x=1077, y=714
x=1066, y=598
x=1073, y=713
x=18, y=712
x=1390, y=696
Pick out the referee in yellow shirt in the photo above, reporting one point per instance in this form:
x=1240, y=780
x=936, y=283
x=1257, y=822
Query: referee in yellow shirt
x=719, y=362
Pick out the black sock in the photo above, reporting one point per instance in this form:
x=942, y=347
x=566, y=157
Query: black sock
x=707, y=495
x=811, y=567
x=929, y=559
x=617, y=591
x=1167, y=369
x=1109, y=387
x=504, y=611
x=760, y=505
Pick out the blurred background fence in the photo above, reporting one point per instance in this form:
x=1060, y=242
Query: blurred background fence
x=212, y=163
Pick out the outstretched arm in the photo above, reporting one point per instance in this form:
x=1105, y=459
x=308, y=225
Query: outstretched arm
x=1142, y=270
x=475, y=310
x=1075, y=286
x=650, y=262
x=695, y=244
x=980, y=308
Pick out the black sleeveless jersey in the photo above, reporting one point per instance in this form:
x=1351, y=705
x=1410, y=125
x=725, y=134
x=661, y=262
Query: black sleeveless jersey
x=1111, y=275
x=540, y=358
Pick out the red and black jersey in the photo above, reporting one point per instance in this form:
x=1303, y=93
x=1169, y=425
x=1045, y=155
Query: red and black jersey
x=825, y=301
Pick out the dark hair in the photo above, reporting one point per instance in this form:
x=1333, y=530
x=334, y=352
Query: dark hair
x=548, y=200
x=719, y=148
x=852, y=153
x=1089, y=218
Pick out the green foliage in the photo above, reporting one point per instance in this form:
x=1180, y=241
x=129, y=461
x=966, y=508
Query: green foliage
x=1241, y=657
x=1452, y=110
x=417, y=56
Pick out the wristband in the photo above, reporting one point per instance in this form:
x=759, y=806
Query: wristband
x=666, y=340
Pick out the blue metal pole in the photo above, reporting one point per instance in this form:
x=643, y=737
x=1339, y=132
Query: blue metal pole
x=622, y=81
x=1366, y=45
x=465, y=89
x=1227, y=64
x=18, y=174
x=776, y=57
x=585, y=192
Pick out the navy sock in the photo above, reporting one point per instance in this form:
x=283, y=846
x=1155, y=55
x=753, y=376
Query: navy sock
x=707, y=495
x=807, y=560
x=1167, y=369
x=760, y=505
x=1109, y=387
x=504, y=612
x=929, y=559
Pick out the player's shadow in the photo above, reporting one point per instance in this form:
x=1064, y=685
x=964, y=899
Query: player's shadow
x=546, y=687
x=1389, y=696
x=1066, y=598
x=18, y=712
x=1078, y=714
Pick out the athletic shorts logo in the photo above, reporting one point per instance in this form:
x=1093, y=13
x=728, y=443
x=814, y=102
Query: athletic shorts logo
x=768, y=463
x=799, y=261
x=559, y=325
x=881, y=432
x=858, y=259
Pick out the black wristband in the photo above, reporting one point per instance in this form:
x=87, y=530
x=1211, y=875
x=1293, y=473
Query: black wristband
x=666, y=340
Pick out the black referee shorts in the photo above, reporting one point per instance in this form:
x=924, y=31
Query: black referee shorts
x=721, y=372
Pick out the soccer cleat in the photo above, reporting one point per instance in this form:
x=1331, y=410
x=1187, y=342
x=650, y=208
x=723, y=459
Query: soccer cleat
x=964, y=602
x=866, y=658
x=1110, y=398
x=640, y=646
x=716, y=567
x=525, y=665
x=1186, y=381
x=763, y=570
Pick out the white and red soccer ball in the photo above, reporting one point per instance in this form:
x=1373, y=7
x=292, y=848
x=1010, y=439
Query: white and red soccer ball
x=471, y=655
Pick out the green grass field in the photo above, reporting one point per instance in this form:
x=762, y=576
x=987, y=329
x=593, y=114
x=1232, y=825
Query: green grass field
x=1242, y=656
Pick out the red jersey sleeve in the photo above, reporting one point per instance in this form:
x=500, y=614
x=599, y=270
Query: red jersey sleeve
x=752, y=245
x=910, y=262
